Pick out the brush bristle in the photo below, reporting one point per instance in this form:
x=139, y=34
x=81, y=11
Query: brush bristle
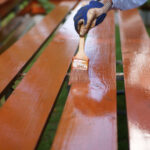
x=79, y=71
x=78, y=76
x=80, y=64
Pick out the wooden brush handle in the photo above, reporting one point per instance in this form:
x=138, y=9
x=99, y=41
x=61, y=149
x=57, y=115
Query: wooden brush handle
x=82, y=44
x=81, y=53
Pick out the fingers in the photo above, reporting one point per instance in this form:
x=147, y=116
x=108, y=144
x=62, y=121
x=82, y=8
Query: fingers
x=88, y=16
x=80, y=24
x=90, y=22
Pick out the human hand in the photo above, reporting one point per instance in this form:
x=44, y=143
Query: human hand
x=91, y=15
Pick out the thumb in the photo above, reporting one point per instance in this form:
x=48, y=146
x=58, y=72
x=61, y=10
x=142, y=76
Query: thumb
x=85, y=28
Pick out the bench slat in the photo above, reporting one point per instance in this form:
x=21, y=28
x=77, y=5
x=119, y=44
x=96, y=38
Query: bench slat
x=136, y=63
x=15, y=58
x=25, y=112
x=89, y=119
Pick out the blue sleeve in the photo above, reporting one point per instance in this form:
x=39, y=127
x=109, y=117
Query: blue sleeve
x=127, y=4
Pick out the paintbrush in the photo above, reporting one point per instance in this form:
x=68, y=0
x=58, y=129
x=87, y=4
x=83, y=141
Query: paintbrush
x=80, y=65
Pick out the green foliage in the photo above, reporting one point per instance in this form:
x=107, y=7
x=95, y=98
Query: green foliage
x=2, y=101
x=46, y=5
x=49, y=132
x=121, y=104
x=147, y=3
x=148, y=30
x=12, y=14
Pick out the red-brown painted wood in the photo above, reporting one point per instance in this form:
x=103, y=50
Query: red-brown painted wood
x=12, y=60
x=89, y=119
x=136, y=63
x=24, y=114
x=3, y=1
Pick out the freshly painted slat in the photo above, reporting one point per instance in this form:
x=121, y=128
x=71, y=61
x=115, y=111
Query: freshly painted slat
x=89, y=119
x=12, y=60
x=136, y=63
x=24, y=114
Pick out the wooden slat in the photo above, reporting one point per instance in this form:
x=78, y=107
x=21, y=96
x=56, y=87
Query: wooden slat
x=25, y=112
x=136, y=63
x=12, y=60
x=27, y=23
x=89, y=118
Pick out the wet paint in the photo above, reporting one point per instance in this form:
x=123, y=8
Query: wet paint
x=89, y=118
x=136, y=63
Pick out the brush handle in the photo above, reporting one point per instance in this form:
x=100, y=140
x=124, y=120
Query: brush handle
x=82, y=44
x=81, y=53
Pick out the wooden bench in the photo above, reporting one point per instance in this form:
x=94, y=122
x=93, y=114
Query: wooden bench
x=89, y=119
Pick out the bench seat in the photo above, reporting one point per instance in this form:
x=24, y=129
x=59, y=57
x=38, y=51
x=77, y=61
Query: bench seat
x=89, y=119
